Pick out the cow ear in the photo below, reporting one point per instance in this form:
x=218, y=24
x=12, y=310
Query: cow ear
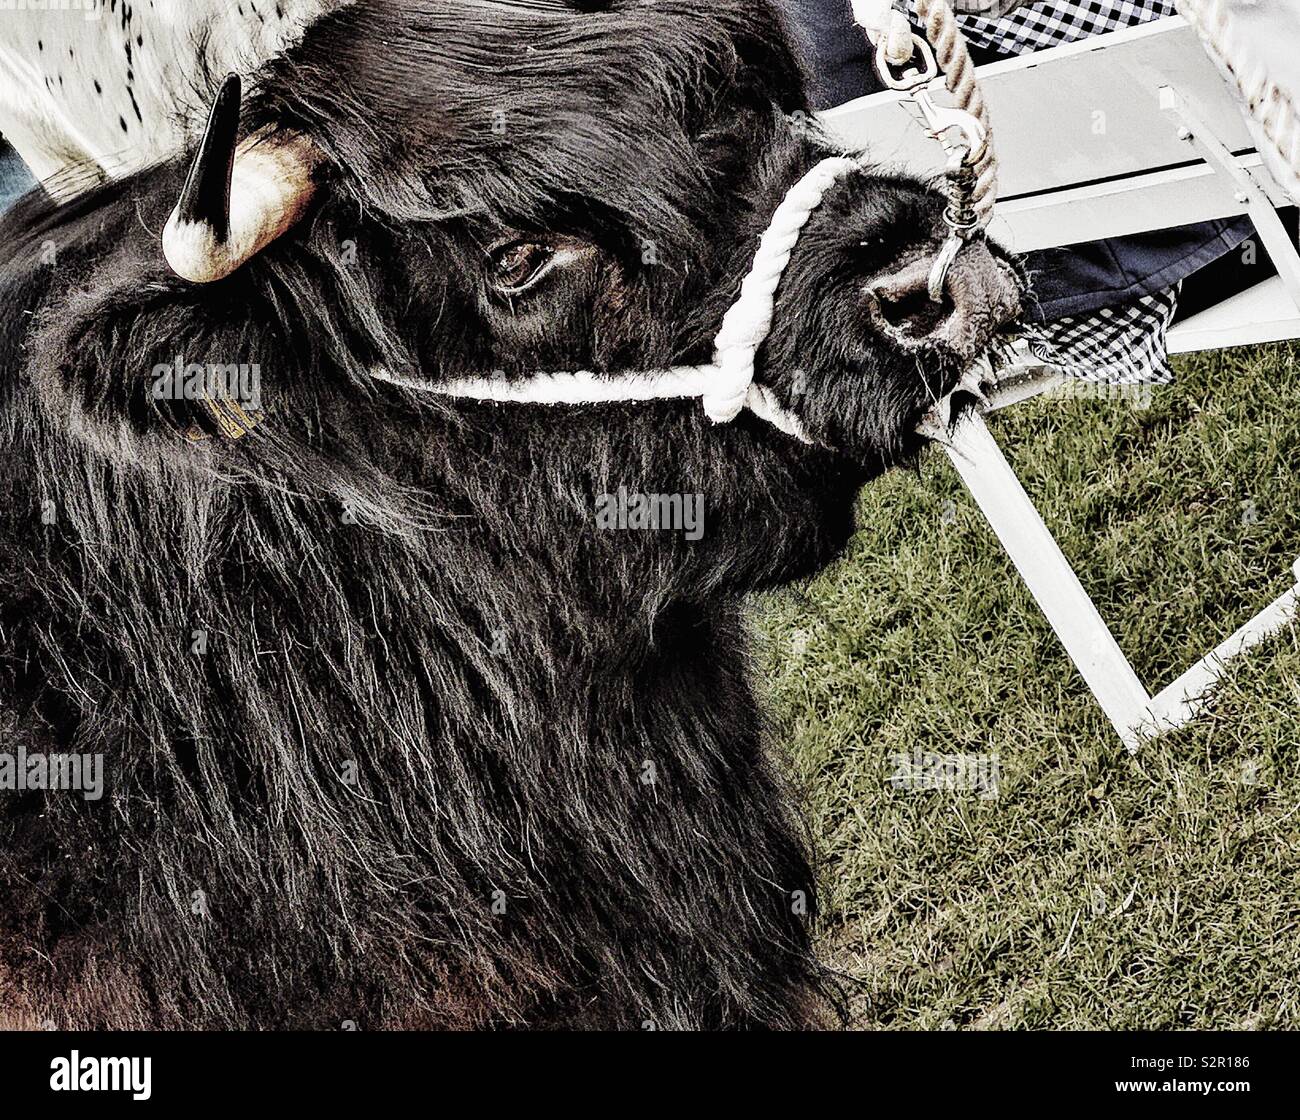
x=140, y=370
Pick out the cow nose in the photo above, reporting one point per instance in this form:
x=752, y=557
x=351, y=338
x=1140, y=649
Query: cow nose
x=980, y=295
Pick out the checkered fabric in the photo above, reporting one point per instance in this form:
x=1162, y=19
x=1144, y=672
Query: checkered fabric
x=1116, y=345
x=1034, y=27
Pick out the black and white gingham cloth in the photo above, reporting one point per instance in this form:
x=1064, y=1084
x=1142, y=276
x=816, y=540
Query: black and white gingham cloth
x=1034, y=27
x=1116, y=345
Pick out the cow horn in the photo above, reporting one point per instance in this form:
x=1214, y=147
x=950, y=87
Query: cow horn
x=237, y=198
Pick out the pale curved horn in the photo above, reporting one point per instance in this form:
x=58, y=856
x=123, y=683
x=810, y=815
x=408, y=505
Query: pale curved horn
x=237, y=200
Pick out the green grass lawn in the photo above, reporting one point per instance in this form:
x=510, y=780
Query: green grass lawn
x=1097, y=890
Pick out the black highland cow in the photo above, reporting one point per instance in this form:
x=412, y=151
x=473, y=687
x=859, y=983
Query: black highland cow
x=394, y=732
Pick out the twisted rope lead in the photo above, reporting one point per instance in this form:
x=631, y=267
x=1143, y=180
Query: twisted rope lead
x=977, y=182
x=879, y=17
x=1270, y=104
x=958, y=70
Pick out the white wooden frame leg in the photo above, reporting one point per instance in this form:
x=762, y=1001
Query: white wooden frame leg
x=1187, y=696
x=1050, y=578
x=1134, y=714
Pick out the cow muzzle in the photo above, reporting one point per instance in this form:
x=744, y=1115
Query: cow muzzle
x=981, y=294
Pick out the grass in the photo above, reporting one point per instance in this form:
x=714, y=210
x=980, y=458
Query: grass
x=1098, y=890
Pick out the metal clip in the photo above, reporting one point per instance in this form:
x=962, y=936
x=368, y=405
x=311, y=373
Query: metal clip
x=916, y=80
x=961, y=222
x=940, y=118
x=912, y=77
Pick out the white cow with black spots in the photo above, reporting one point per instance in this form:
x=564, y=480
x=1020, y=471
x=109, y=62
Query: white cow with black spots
x=95, y=89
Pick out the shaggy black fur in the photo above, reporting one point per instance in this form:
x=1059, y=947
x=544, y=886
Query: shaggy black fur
x=394, y=733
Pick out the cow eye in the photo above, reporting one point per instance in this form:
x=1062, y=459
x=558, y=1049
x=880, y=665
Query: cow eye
x=517, y=267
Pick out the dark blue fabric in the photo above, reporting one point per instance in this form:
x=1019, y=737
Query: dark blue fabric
x=1082, y=278
x=14, y=179
x=1069, y=281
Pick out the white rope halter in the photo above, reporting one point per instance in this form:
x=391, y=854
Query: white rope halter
x=726, y=387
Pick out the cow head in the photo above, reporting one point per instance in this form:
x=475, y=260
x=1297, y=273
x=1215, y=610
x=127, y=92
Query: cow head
x=458, y=189
x=582, y=185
